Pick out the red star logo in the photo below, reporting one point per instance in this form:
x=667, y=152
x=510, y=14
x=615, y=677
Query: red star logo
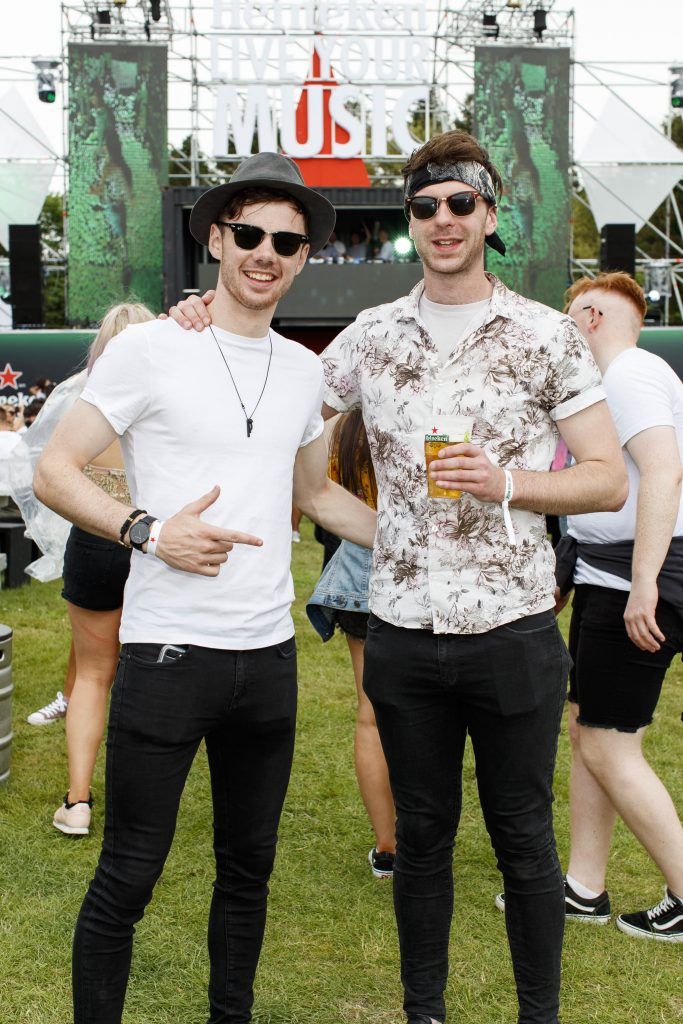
x=435, y=430
x=9, y=377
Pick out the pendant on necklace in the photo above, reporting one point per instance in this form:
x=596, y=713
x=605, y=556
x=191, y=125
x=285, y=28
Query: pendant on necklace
x=250, y=426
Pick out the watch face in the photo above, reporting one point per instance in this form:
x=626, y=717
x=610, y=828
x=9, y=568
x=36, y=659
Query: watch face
x=139, y=533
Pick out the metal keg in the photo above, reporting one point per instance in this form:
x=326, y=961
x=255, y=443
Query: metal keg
x=5, y=701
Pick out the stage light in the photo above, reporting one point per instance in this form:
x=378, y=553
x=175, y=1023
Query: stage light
x=540, y=22
x=120, y=3
x=46, y=87
x=402, y=246
x=155, y=6
x=147, y=31
x=491, y=27
x=104, y=17
x=514, y=5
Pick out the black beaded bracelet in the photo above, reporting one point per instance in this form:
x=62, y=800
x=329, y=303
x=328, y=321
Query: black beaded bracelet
x=126, y=525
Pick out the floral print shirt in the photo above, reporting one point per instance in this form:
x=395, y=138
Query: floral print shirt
x=443, y=564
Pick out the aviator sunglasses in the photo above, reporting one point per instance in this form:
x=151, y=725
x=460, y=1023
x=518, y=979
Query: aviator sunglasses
x=248, y=236
x=461, y=204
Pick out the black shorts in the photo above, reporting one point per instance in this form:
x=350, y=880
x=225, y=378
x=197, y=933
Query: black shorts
x=352, y=623
x=95, y=571
x=615, y=684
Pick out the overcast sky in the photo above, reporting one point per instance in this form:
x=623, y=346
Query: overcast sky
x=606, y=30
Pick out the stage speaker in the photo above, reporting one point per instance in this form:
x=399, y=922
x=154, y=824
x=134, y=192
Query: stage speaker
x=26, y=277
x=618, y=248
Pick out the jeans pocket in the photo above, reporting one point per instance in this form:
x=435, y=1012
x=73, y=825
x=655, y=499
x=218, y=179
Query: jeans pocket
x=530, y=624
x=533, y=669
x=287, y=649
x=147, y=655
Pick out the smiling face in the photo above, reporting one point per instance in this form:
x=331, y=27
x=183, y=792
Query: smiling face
x=258, y=278
x=448, y=244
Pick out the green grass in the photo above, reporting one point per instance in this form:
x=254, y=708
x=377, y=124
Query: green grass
x=330, y=955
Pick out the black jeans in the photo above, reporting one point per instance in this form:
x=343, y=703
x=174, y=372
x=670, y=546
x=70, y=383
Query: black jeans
x=244, y=704
x=506, y=689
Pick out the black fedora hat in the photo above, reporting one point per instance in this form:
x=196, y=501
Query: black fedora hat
x=266, y=170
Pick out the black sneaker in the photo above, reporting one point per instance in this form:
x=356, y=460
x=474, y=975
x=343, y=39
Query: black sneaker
x=382, y=864
x=423, y=1020
x=663, y=922
x=576, y=908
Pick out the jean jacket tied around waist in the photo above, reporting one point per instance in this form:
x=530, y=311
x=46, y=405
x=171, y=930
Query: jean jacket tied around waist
x=343, y=586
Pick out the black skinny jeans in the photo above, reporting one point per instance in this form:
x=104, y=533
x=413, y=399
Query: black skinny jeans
x=506, y=689
x=244, y=704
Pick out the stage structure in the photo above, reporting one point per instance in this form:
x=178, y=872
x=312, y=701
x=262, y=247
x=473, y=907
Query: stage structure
x=350, y=87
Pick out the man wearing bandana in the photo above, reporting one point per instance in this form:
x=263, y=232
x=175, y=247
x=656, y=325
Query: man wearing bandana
x=462, y=638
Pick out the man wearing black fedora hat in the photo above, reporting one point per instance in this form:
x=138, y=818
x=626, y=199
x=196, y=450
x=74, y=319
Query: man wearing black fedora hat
x=462, y=638
x=208, y=647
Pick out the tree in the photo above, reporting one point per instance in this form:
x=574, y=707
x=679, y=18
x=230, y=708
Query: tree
x=51, y=223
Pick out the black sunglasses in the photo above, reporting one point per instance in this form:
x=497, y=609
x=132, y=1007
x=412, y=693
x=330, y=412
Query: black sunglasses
x=584, y=308
x=461, y=204
x=248, y=236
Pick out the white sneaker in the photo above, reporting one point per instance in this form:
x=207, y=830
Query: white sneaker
x=296, y=537
x=51, y=712
x=73, y=819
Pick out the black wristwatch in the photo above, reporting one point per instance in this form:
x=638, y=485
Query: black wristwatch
x=138, y=535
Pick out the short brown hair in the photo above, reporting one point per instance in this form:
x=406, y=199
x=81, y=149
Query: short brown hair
x=448, y=148
x=616, y=282
x=251, y=196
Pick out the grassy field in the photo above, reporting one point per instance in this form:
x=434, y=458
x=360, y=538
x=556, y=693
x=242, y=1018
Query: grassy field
x=330, y=955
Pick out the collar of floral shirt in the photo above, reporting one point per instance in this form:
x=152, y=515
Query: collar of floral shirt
x=407, y=307
x=500, y=307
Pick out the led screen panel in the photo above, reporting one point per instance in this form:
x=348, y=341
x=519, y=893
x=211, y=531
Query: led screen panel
x=521, y=114
x=118, y=165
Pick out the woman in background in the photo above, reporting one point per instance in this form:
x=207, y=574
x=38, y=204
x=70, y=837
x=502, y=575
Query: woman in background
x=340, y=600
x=95, y=573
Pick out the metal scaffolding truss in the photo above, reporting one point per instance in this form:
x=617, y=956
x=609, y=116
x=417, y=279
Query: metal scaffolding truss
x=208, y=49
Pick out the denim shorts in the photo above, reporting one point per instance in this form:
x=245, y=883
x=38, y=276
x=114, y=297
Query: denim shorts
x=615, y=684
x=95, y=571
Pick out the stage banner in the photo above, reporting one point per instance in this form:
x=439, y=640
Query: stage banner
x=521, y=115
x=118, y=165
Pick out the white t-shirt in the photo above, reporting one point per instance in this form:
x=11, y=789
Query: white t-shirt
x=642, y=391
x=448, y=324
x=168, y=394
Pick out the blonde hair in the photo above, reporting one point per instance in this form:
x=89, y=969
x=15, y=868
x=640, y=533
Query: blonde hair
x=616, y=282
x=113, y=322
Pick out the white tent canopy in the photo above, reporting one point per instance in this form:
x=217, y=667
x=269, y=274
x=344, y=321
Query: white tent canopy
x=27, y=165
x=628, y=167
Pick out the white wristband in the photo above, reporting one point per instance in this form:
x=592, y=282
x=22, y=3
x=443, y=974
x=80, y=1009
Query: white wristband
x=507, y=498
x=154, y=532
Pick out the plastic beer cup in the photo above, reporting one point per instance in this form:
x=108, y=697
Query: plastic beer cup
x=445, y=431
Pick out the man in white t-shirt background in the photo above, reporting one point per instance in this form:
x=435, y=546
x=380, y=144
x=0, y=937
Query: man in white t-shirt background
x=208, y=648
x=627, y=618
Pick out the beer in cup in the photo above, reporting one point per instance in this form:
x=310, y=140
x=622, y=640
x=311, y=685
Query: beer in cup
x=444, y=431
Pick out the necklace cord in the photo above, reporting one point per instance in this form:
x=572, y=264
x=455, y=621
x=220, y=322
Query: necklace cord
x=248, y=418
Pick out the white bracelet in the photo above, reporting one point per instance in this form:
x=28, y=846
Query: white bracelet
x=154, y=532
x=507, y=498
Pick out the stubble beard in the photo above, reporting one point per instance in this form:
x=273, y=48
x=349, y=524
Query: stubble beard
x=231, y=281
x=471, y=261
